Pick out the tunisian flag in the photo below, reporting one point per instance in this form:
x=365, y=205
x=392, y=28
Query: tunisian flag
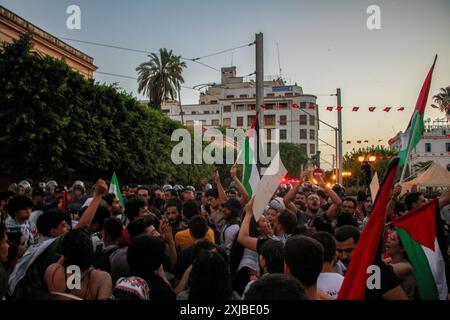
x=354, y=285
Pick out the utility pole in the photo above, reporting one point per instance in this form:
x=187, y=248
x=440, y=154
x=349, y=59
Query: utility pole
x=259, y=88
x=340, y=156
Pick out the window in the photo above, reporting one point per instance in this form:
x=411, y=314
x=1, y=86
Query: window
x=250, y=120
x=226, y=122
x=230, y=96
x=194, y=112
x=303, y=119
x=312, y=120
x=239, y=107
x=303, y=147
x=240, y=121
x=206, y=112
x=303, y=105
x=215, y=123
x=282, y=106
x=427, y=147
x=243, y=96
x=303, y=134
x=271, y=94
x=226, y=108
x=269, y=120
x=251, y=107
x=312, y=134
x=312, y=149
x=283, y=134
x=203, y=122
x=269, y=106
x=269, y=134
x=283, y=120
x=288, y=94
x=447, y=147
x=213, y=102
x=190, y=123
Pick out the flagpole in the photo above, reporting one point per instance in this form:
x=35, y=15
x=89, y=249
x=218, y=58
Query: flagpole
x=409, y=150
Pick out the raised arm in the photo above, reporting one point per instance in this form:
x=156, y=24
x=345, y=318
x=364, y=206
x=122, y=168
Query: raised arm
x=222, y=195
x=239, y=185
x=86, y=219
x=333, y=209
x=244, y=233
x=392, y=201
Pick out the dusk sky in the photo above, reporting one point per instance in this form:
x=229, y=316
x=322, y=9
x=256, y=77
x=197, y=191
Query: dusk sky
x=323, y=45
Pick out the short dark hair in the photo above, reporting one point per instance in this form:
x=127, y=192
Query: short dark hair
x=410, y=198
x=347, y=232
x=77, y=249
x=212, y=193
x=272, y=252
x=101, y=214
x=133, y=206
x=351, y=200
x=190, y=209
x=361, y=196
x=210, y=278
x=113, y=228
x=18, y=202
x=198, y=227
x=321, y=224
x=143, y=188
x=138, y=226
x=328, y=243
x=304, y=257
x=288, y=221
x=109, y=198
x=276, y=287
x=51, y=219
x=202, y=247
x=174, y=202
x=145, y=254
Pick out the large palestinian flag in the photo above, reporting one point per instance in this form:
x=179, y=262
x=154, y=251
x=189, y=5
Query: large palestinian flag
x=422, y=236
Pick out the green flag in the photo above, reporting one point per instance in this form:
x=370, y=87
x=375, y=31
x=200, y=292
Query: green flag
x=115, y=188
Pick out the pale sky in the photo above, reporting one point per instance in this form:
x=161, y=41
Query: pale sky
x=323, y=45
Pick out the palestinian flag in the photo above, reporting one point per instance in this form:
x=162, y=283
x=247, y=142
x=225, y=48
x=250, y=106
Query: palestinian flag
x=251, y=176
x=413, y=132
x=115, y=188
x=366, y=251
x=422, y=236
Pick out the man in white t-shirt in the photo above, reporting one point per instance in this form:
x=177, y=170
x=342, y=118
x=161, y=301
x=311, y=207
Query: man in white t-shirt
x=329, y=281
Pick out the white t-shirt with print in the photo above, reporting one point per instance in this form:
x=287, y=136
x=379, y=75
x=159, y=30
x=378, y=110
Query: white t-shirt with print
x=330, y=283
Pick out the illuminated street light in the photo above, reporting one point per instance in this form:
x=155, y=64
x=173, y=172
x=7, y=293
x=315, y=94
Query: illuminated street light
x=361, y=158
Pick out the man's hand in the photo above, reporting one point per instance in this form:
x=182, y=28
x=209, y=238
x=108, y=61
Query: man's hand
x=233, y=171
x=166, y=230
x=216, y=177
x=249, y=206
x=101, y=188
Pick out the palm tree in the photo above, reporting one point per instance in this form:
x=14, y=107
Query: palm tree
x=160, y=78
x=442, y=100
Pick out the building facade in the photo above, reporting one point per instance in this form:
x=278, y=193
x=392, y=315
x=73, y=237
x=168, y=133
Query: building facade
x=232, y=104
x=12, y=27
x=434, y=146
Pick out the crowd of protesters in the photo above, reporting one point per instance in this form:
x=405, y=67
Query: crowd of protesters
x=174, y=242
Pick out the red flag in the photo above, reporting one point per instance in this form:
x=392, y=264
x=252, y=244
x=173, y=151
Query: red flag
x=65, y=202
x=387, y=109
x=348, y=142
x=312, y=106
x=329, y=108
x=372, y=109
x=359, y=141
x=339, y=108
x=401, y=109
x=263, y=106
x=355, y=109
x=295, y=106
x=354, y=285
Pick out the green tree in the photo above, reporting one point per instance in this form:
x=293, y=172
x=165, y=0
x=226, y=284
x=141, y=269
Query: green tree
x=160, y=78
x=442, y=100
x=293, y=157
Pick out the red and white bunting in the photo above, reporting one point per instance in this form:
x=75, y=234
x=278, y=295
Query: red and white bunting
x=355, y=109
x=387, y=109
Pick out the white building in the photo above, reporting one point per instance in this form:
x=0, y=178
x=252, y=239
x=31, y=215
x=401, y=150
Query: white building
x=231, y=104
x=434, y=146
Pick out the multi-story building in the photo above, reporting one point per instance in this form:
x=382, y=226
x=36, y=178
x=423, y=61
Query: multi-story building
x=434, y=146
x=12, y=27
x=232, y=104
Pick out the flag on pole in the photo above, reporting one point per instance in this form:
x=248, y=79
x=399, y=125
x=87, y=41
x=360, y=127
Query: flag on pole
x=354, y=285
x=251, y=176
x=355, y=109
x=422, y=235
x=115, y=188
x=329, y=108
x=339, y=108
x=387, y=109
x=413, y=132
x=401, y=109
x=65, y=202
x=372, y=109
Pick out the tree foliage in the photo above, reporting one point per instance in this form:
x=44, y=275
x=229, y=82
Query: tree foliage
x=56, y=123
